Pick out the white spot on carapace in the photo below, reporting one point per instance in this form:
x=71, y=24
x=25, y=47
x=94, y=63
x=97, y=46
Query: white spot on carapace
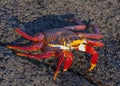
x=81, y=47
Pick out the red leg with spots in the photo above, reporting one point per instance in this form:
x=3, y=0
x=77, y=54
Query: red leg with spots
x=28, y=48
x=35, y=39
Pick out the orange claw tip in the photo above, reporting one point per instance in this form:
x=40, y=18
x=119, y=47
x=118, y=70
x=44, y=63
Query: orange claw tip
x=92, y=67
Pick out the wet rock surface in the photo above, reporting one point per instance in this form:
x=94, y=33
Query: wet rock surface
x=33, y=16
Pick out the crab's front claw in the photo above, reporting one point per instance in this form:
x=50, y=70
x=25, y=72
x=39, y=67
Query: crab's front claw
x=68, y=60
x=94, y=56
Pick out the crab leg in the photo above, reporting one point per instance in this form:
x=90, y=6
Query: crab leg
x=60, y=55
x=27, y=48
x=76, y=27
x=37, y=56
x=94, y=43
x=68, y=60
x=90, y=50
x=96, y=29
x=94, y=57
x=75, y=20
x=79, y=22
x=87, y=35
x=35, y=39
x=47, y=54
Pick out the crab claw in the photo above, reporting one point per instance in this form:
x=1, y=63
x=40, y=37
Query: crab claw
x=68, y=60
x=35, y=39
x=94, y=56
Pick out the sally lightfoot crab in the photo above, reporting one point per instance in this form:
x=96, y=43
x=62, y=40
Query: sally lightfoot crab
x=60, y=42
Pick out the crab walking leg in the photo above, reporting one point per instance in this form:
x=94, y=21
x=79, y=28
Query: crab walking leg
x=68, y=60
x=60, y=56
x=87, y=35
x=76, y=20
x=36, y=56
x=76, y=27
x=90, y=50
x=94, y=43
x=27, y=48
x=47, y=54
x=35, y=39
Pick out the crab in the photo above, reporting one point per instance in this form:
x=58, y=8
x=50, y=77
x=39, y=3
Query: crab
x=60, y=42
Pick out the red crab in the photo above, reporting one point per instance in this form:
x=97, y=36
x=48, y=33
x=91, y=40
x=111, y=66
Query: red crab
x=60, y=42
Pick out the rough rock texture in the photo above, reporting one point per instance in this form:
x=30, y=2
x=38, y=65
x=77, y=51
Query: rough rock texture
x=35, y=15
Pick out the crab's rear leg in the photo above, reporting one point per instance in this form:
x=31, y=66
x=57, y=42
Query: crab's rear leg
x=79, y=22
x=47, y=54
x=34, y=47
x=35, y=39
x=36, y=56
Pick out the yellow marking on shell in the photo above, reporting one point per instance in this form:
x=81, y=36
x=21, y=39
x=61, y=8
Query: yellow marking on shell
x=76, y=42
